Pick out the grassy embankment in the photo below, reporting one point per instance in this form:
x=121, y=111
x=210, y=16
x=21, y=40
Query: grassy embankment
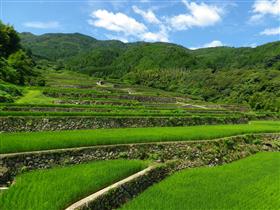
x=57, y=188
x=34, y=97
x=251, y=183
x=20, y=142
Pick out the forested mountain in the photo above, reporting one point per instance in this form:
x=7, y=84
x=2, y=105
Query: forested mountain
x=86, y=53
x=264, y=56
x=60, y=46
x=222, y=74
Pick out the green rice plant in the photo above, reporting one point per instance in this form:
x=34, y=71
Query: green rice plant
x=24, y=141
x=251, y=183
x=57, y=188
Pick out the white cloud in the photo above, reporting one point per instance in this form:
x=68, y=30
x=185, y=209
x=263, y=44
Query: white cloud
x=271, y=31
x=148, y=16
x=265, y=7
x=120, y=38
x=214, y=43
x=126, y=27
x=199, y=15
x=117, y=22
x=42, y=25
x=253, y=45
x=161, y=36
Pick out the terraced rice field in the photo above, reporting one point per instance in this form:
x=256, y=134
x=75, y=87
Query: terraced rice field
x=22, y=142
x=251, y=183
x=57, y=188
x=247, y=184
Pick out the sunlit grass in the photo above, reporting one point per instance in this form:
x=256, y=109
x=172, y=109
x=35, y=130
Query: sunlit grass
x=35, y=97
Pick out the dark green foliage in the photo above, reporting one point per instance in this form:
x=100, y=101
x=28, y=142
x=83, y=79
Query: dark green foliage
x=8, y=92
x=61, y=47
x=230, y=143
x=23, y=65
x=9, y=40
x=123, y=57
x=16, y=65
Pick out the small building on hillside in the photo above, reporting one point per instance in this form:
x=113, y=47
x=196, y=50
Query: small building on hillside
x=100, y=82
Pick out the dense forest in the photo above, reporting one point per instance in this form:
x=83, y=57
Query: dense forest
x=222, y=74
x=16, y=66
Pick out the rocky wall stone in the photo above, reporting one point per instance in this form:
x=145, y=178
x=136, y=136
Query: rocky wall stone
x=16, y=124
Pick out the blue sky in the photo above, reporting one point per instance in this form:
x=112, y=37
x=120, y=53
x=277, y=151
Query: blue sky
x=193, y=24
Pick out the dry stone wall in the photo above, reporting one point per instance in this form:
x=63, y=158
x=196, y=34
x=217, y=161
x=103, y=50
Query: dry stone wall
x=16, y=124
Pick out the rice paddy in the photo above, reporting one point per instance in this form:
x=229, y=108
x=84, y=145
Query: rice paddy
x=57, y=188
x=251, y=183
x=31, y=141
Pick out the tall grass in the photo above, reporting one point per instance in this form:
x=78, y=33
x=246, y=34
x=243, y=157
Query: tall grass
x=55, y=189
x=251, y=183
x=20, y=142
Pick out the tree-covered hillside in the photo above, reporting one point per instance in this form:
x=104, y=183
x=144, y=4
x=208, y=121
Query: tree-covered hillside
x=95, y=54
x=223, y=74
x=16, y=66
x=264, y=56
x=60, y=47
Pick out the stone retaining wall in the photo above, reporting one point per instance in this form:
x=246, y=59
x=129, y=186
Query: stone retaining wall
x=16, y=124
x=96, y=102
x=194, y=153
x=140, y=98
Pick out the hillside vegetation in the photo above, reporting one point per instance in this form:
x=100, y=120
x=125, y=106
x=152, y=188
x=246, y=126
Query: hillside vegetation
x=16, y=65
x=223, y=74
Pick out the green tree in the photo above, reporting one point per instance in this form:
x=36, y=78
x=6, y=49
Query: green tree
x=23, y=65
x=9, y=40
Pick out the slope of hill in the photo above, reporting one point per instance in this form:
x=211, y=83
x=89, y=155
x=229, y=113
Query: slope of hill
x=223, y=74
x=141, y=55
x=264, y=56
x=59, y=46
